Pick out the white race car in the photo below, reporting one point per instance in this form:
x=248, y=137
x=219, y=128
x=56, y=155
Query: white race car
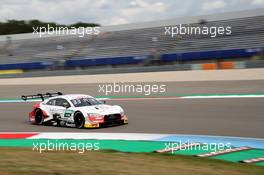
x=74, y=110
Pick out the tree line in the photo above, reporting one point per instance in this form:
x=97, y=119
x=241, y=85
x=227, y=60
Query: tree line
x=24, y=26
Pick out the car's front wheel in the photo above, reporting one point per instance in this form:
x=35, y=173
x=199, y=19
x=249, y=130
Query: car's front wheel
x=39, y=117
x=79, y=120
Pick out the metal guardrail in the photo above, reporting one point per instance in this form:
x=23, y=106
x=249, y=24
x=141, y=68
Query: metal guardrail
x=136, y=69
x=105, y=70
x=254, y=64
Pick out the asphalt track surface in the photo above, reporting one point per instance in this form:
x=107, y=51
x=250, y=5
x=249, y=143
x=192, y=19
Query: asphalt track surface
x=227, y=117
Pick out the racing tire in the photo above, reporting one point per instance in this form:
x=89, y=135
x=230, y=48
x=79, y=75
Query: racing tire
x=39, y=119
x=79, y=120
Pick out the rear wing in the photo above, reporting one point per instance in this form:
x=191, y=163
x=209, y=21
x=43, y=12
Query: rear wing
x=40, y=96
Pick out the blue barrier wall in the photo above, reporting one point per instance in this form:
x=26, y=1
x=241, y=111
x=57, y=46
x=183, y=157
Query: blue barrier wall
x=190, y=56
x=103, y=61
x=26, y=66
x=209, y=55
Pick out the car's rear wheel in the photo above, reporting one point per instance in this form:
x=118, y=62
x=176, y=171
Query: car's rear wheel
x=39, y=117
x=79, y=120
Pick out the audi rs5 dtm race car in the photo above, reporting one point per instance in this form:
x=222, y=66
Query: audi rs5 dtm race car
x=75, y=110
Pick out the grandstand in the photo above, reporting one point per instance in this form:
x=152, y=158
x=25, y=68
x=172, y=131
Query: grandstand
x=136, y=43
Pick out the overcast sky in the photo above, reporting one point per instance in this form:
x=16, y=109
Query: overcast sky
x=111, y=12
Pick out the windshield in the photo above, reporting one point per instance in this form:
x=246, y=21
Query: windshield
x=85, y=102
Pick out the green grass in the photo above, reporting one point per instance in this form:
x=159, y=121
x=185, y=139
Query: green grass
x=27, y=162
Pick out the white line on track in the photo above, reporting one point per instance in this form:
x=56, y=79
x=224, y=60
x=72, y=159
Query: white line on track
x=158, y=98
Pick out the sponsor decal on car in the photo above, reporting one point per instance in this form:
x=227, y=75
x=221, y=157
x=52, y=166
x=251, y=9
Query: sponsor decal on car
x=68, y=113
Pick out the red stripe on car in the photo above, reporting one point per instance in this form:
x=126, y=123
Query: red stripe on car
x=16, y=135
